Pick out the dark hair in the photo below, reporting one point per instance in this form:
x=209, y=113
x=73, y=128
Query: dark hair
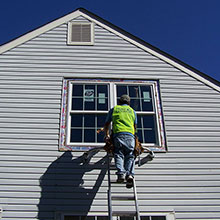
x=124, y=99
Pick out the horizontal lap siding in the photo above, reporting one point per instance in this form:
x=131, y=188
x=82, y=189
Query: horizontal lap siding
x=37, y=180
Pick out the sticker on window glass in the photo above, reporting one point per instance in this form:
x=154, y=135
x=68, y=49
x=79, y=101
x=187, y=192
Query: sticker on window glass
x=89, y=95
x=146, y=96
x=101, y=98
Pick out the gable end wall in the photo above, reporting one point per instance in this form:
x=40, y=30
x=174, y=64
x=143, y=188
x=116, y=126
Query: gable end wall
x=38, y=182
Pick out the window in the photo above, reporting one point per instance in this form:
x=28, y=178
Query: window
x=71, y=217
x=145, y=217
x=86, y=103
x=80, y=33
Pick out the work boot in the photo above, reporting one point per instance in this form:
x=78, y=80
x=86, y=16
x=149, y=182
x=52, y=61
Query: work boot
x=121, y=178
x=130, y=181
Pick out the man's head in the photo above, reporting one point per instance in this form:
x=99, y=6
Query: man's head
x=124, y=99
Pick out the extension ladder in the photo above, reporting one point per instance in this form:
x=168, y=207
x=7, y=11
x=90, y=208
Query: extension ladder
x=127, y=197
x=131, y=213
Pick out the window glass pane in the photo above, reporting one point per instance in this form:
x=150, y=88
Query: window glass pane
x=71, y=217
x=141, y=97
x=140, y=128
x=158, y=217
x=126, y=218
x=135, y=98
x=135, y=104
x=121, y=90
x=148, y=121
x=90, y=86
x=76, y=135
x=139, y=121
x=146, y=98
x=149, y=129
x=89, y=97
x=145, y=218
x=76, y=120
x=77, y=90
x=87, y=218
x=101, y=120
x=102, y=100
x=140, y=135
x=146, y=126
x=89, y=105
x=77, y=103
x=89, y=120
x=89, y=135
x=134, y=92
x=102, y=218
x=147, y=106
x=100, y=137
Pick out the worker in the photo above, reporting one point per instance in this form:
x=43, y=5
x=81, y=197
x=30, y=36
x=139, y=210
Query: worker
x=124, y=122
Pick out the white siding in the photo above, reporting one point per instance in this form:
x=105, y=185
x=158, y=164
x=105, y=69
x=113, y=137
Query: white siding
x=37, y=181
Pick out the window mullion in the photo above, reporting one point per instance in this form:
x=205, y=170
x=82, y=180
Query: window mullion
x=139, y=91
x=96, y=98
x=96, y=127
x=83, y=129
x=145, y=113
x=142, y=129
x=128, y=90
x=84, y=97
x=112, y=95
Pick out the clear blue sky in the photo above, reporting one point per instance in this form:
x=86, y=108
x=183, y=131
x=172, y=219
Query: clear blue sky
x=186, y=29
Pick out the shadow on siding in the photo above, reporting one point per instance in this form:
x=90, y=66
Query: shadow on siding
x=68, y=186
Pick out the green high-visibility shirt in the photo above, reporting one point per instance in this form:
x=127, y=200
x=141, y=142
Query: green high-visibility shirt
x=123, y=119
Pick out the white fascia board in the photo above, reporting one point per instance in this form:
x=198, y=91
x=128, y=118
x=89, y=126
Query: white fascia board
x=160, y=56
x=39, y=31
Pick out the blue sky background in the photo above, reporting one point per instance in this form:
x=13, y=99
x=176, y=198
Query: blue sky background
x=186, y=29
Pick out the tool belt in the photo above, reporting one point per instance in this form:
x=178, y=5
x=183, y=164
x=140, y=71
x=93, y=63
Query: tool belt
x=109, y=146
x=138, y=149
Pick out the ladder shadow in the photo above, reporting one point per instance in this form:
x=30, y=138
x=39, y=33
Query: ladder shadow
x=69, y=185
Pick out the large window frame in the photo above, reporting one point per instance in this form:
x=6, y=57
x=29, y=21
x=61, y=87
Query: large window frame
x=67, y=111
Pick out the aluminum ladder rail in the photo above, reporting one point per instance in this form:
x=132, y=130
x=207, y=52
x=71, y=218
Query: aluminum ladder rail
x=133, y=198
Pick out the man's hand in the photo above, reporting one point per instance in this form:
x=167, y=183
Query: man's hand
x=107, y=138
x=106, y=130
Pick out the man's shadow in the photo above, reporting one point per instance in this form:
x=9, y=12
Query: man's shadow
x=69, y=185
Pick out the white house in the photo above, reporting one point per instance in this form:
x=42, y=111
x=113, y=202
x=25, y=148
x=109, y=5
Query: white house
x=57, y=84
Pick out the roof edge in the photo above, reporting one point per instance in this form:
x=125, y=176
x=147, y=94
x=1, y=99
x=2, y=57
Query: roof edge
x=215, y=84
x=156, y=51
x=42, y=29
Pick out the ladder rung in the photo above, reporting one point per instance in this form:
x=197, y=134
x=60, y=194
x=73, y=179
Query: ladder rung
x=124, y=198
x=124, y=213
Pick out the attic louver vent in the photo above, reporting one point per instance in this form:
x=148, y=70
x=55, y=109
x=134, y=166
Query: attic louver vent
x=80, y=33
